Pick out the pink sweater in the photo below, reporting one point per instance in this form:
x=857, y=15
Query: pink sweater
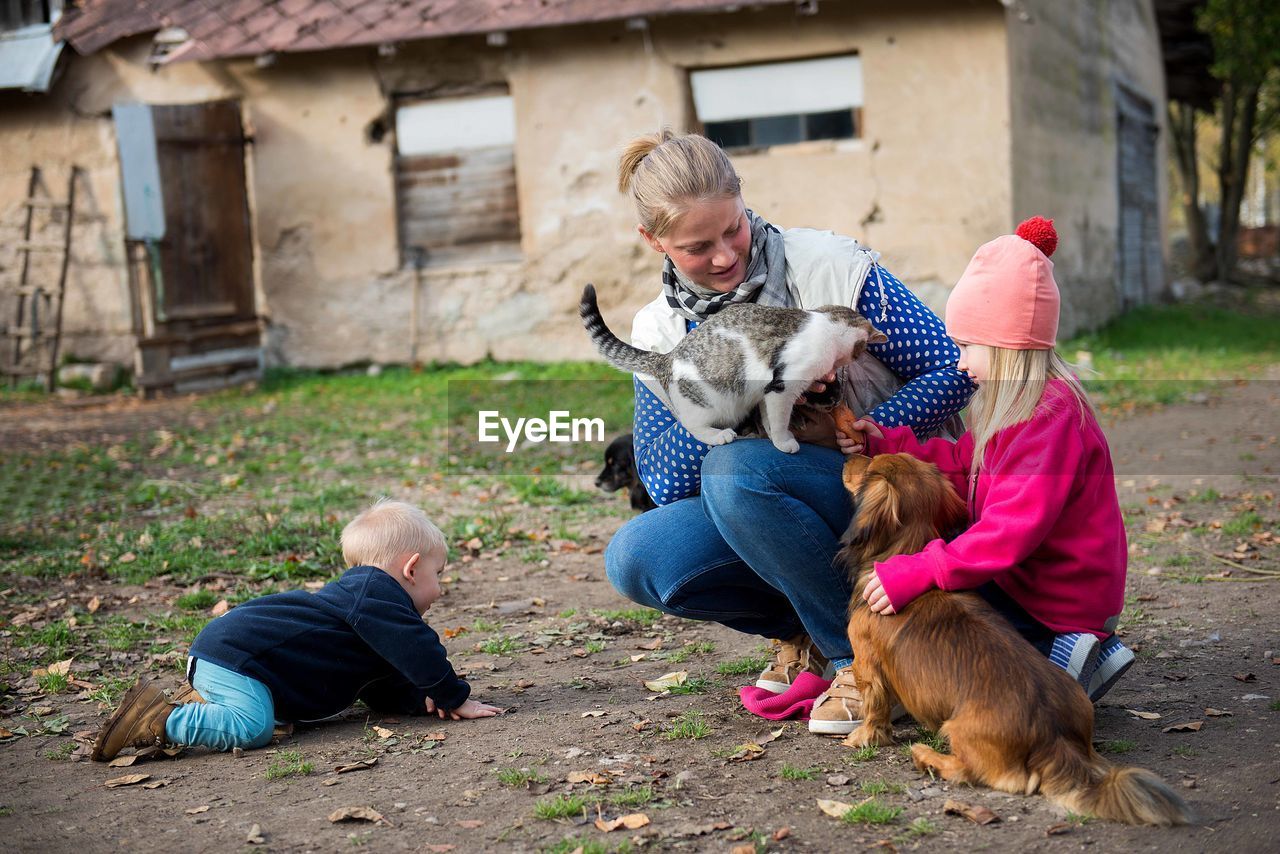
x=1045, y=520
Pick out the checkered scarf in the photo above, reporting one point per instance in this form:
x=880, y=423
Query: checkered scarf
x=766, y=281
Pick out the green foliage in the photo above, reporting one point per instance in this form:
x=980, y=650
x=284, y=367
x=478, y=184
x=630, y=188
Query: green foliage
x=641, y=616
x=200, y=600
x=790, y=772
x=53, y=683
x=519, y=777
x=863, y=754
x=688, y=725
x=1243, y=524
x=692, y=685
x=634, y=797
x=289, y=763
x=1116, y=745
x=1246, y=39
x=501, y=645
x=871, y=811
x=62, y=752
x=922, y=827
x=561, y=806
x=879, y=787
x=742, y=666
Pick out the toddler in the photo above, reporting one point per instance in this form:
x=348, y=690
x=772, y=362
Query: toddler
x=300, y=656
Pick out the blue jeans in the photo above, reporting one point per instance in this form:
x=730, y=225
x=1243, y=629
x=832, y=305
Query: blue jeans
x=237, y=712
x=755, y=551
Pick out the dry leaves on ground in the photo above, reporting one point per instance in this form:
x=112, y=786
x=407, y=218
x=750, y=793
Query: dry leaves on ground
x=126, y=780
x=633, y=821
x=357, y=814
x=975, y=814
x=1187, y=726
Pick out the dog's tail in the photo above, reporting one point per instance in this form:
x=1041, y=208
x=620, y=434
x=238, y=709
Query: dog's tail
x=1087, y=784
x=615, y=351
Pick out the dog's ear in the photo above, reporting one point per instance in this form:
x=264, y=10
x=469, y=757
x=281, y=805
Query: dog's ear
x=854, y=469
x=953, y=514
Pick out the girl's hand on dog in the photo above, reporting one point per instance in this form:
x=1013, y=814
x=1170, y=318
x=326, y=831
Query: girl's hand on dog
x=875, y=596
x=852, y=439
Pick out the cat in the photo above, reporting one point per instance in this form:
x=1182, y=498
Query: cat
x=741, y=357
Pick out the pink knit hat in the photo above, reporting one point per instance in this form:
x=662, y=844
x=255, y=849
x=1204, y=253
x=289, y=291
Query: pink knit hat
x=1007, y=297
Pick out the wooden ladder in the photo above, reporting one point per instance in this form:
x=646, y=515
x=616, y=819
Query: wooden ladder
x=32, y=341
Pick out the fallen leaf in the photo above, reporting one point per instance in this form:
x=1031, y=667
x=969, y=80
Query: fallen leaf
x=94, y=604
x=767, y=735
x=593, y=777
x=1244, y=677
x=469, y=823
x=197, y=810
x=123, y=761
x=220, y=608
x=5, y=732
x=1189, y=726
x=640, y=657
x=632, y=821
x=439, y=849
x=332, y=781
x=656, y=643
x=666, y=681
x=835, y=809
x=255, y=836
x=837, y=780
x=641, y=726
x=743, y=849
x=1058, y=829
x=127, y=557
x=1217, y=713
x=1146, y=716
x=748, y=752
x=977, y=815
x=781, y=833
x=453, y=633
x=355, y=814
x=58, y=668
x=383, y=732
x=356, y=766
x=156, y=784
x=595, y=713
x=127, y=780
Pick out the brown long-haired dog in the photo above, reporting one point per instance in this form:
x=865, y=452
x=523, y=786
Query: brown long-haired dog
x=1015, y=721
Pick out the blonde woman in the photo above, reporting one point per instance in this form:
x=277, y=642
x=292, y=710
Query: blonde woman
x=1046, y=546
x=743, y=534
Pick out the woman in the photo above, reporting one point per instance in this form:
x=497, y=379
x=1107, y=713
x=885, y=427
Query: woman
x=755, y=551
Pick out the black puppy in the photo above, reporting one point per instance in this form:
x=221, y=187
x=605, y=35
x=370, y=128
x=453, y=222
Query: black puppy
x=620, y=472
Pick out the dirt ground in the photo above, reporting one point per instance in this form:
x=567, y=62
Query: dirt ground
x=582, y=720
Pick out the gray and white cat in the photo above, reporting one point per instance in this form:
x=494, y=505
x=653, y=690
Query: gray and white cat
x=741, y=357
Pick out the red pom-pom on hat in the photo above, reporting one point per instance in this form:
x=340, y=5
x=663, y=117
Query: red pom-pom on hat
x=1040, y=233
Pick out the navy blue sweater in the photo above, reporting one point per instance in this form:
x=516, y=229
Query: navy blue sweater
x=357, y=638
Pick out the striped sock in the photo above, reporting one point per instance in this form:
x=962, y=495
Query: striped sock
x=1078, y=654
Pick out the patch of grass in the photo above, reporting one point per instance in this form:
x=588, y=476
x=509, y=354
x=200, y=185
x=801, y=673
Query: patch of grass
x=288, y=763
x=110, y=689
x=634, y=797
x=122, y=635
x=545, y=490
x=1185, y=751
x=688, y=725
x=53, y=683
x=692, y=685
x=642, y=616
x=922, y=827
x=571, y=844
x=1077, y=819
x=1274, y=706
x=1205, y=496
x=519, y=777
x=880, y=787
x=501, y=645
x=567, y=613
x=200, y=600
x=561, y=806
x=592, y=647
x=62, y=752
x=742, y=666
x=1243, y=524
x=863, y=754
x=483, y=625
x=871, y=811
x=790, y=772
x=932, y=738
x=1116, y=745
x=1180, y=560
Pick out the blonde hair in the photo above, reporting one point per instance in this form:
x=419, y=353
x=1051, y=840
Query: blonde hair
x=665, y=173
x=1012, y=391
x=387, y=530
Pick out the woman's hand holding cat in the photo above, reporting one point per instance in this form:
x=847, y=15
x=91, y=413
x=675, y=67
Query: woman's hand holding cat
x=855, y=443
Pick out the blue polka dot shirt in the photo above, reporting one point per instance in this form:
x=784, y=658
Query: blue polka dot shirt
x=919, y=351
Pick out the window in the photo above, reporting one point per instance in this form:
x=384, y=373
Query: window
x=456, y=180
x=16, y=14
x=777, y=103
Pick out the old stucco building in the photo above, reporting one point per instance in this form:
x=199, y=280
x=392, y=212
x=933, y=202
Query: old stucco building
x=922, y=128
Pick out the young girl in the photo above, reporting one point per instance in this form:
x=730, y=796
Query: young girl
x=1046, y=545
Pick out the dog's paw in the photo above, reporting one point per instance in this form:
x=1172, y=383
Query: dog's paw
x=866, y=736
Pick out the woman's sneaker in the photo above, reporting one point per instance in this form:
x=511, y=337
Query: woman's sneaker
x=1078, y=654
x=793, y=657
x=838, y=711
x=1114, y=659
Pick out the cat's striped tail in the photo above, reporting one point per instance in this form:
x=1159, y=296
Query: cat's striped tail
x=615, y=351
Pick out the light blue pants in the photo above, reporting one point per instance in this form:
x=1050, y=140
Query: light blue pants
x=237, y=712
